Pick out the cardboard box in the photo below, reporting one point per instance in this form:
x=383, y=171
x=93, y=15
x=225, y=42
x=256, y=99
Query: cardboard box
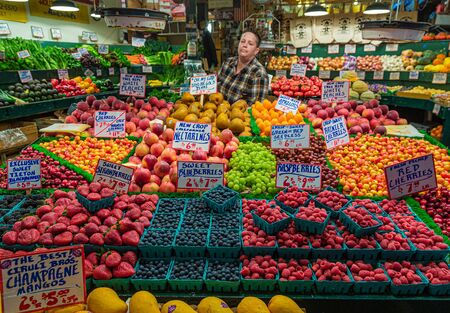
x=29, y=129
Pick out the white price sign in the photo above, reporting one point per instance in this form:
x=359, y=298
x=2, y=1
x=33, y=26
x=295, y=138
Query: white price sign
x=137, y=42
x=361, y=75
x=41, y=281
x=304, y=176
x=63, y=74
x=99, y=72
x=324, y=74
x=83, y=51
x=439, y=78
x=392, y=47
x=76, y=55
x=200, y=175
x=287, y=104
x=307, y=49
x=333, y=49
x=24, y=174
x=436, y=109
x=370, y=48
x=109, y=124
x=116, y=176
x=280, y=73
x=335, y=132
x=192, y=136
x=203, y=85
x=349, y=49
x=411, y=176
x=88, y=72
x=414, y=75
x=378, y=75
x=291, y=50
x=123, y=70
x=394, y=76
x=335, y=91
x=132, y=85
x=298, y=70
x=103, y=49
x=290, y=136
x=147, y=69
x=25, y=76
x=23, y=54
x=111, y=71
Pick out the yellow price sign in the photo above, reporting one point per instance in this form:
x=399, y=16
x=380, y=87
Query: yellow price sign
x=11, y=11
x=41, y=8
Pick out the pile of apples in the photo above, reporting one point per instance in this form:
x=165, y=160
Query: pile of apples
x=155, y=160
x=140, y=114
x=369, y=117
x=297, y=87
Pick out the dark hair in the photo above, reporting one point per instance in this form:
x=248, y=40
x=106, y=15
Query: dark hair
x=258, y=38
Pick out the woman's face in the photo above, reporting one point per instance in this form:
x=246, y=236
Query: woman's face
x=248, y=49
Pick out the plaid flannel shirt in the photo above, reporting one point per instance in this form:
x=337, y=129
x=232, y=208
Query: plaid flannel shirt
x=251, y=84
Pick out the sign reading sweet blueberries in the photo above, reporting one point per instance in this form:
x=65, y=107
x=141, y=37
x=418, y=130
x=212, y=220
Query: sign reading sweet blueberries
x=200, y=175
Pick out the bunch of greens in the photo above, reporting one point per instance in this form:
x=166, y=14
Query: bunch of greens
x=93, y=52
x=173, y=76
x=152, y=47
x=117, y=58
x=161, y=58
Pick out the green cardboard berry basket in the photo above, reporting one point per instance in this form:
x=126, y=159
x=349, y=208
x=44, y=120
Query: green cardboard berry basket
x=373, y=287
x=226, y=204
x=310, y=226
x=219, y=285
x=159, y=211
x=298, y=286
x=399, y=255
x=364, y=254
x=185, y=284
x=118, y=284
x=335, y=287
x=156, y=284
x=94, y=206
x=221, y=252
x=271, y=228
x=334, y=214
x=190, y=251
x=294, y=253
x=259, y=284
x=410, y=289
x=357, y=229
x=439, y=289
x=259, y=250
x=157, y=251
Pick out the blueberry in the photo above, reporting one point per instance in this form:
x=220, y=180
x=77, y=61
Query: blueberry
x=220, y=194
x=223, y=270
x=225, y=221
x=163, y=237
x=197, y=205
x=224, y=238
x=191, y=239
x=4, y=229
x=152, y=269
x=171, y=206
x=162, y=221
x=17, y=215
x=195, y=221
x=188, y=269
x=8, y=202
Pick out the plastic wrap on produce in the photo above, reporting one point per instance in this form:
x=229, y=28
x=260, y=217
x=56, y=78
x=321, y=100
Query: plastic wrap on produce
x=12, y=138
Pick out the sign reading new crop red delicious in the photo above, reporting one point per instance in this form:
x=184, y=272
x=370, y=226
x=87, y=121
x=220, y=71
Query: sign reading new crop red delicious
x=115, y=176
x=109, y=124
x=192, y=136
x=200, y=175
x=335, y=91
x=335, y=132
x=290, y=136
x=304, y=176
x=24, y=174
x=411, y=176
x=38, y=281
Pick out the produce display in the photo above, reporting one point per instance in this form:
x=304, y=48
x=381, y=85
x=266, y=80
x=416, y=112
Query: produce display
x=297, y=87
x=436, y=132
x=34, y=91
x=285, y=62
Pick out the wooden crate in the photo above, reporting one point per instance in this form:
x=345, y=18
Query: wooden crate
x=28, y=128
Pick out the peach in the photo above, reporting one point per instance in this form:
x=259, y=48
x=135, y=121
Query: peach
x=150, y=138
x=156, y=149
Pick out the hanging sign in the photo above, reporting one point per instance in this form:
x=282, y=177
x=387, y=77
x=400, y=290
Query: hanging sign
x=287, y=104
x=370, y=48
x=335, y=132
x=391, y=47
x=298, y=69
x=25, y=76
x=378, y=75
x=203, y=85
x=63, y=74
x=335, y=91
x=137, y=42
x=411, y=176
x=333, y=49
x=103, y=49
x=13, y=11
x=42, y=9
x=109, y=124
x=200, y=175
x=116, y=176
x=23, y=54
x=132, y=85
x=349, y=49
x=304, y=176
x=24, y=174
x=439, y=78
x=290, y=136
x=40, y=281
x=192, y=136
x=414, y=75
x=324, y=74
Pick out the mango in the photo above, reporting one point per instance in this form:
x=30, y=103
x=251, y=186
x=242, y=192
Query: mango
x=213, y=305
x=144, y=302
x=105, y=300
x=283, y=304
x=176, y=306
x=252, y=305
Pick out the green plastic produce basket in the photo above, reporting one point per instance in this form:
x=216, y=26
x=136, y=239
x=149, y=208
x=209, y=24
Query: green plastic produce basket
x=118, y=284
x=364, y=254
x=226, y=205
x=411, y=289
x=357, y=229
x=335, y=287
x=152, y=284
x=222, y=252
x=219, y=285
x=430, y=255
x=294, y=253
x=271, y=228
x=439, y=290
x=94, y=206
x=334, y=214
x=258, y=250
x=372, y=287
x=311, y=227
x=149, y=251
x=190, y=251
x=259, y=284
x=298, y=286
x=287, y=208
x=399, y=255
x=185, y=284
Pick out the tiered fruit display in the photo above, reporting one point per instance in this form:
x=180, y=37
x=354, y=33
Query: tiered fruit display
x=86, y=153
x=297, y=86
x=156, y=160
x=369, y=63
x=35, y=90
x=369, y=117
x=282, y=62
x=221, y=114
x=361, y=162
x=331, y=64
x=86, y=84
x=266, y=116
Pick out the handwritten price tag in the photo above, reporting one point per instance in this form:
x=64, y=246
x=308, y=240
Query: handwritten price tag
x=290, y=136
x=287, y=104
x=200, y=175
x=335, y=91
x=137, y=42
x=291, y=50
x=392, y=47
x=192, y=136
x=307, y=49
x=115, y=176
x=147, y=69
x=304, y=176
x=324, y=74
x=24, y=174
x=439, y=78
x=63, y=74
x=333, y=49
x=42, y=281
x=23, y=54
x=298, y=69
x=123, y=70
x=349, y=49
x=25, y=76
x=394, y=76
x=280, y=73
x=436, y=109
x=335, y=132
x=109, y=124
x=411, y=176
x=132, y=85
x=378, y=75
x=111, y=71
x=103, y=49
x=414, y=75
x=203, y=85
x=370, y=48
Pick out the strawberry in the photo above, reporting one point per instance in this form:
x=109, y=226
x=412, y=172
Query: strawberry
x=58, y=194
x=101, y=272
x=43, y=226
x=132, y=206
x=97, y=239
x=93, y=258
x=28, y=236
x=110, y=221
x=88, y=268
x=95, y=220
x=79, y=219
x=130, y=257
x=113, y=238
x=72, y=195
x=30, y=222
x=91, y=228
x=74, y=229
x=130, y=238
x=123, y=270
x=63, y=239
x=46, y=239
x=139, y=227
x=73, y=210
x=103, y=214
x=63, y=202
x=148, y=206
x=83, y=190
x=118, y=214
x=81, y=238
x=95, y=187
x=10, y=238
x=144, y=220
x=113, y=259
x=41, y=211
x=133, y=214
x=57, y=228
x=50, y=217
x=125, y=225
x=125, y=198
x=148, y=214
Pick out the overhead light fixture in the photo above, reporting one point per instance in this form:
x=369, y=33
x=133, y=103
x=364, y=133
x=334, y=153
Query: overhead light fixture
x=16, y=0
x=316, y=10
x=377, y=8
x=96, y=14
x=64, y=5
